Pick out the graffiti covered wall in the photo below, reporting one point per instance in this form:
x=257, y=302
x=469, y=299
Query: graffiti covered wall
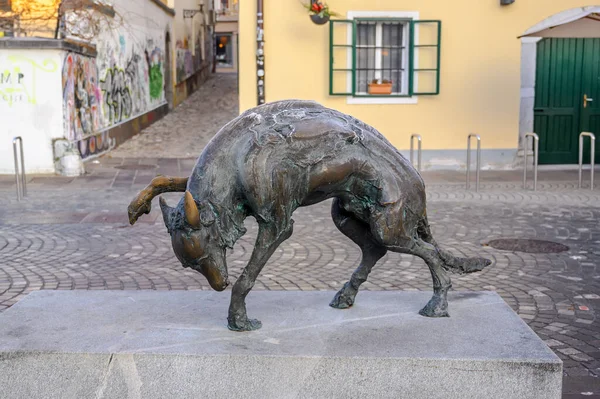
x=82, y=105
x=193, y=39
x=188, y=62
x=126, y=79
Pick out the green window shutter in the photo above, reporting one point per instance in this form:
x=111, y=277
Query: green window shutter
x=342, y=44
x=425, y=51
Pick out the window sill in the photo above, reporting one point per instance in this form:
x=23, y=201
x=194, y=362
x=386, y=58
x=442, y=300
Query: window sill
x=381, y=100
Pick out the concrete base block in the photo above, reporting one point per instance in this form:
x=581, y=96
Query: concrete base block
x=145, y=344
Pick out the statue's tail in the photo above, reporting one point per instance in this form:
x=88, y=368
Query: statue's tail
x=451, y=263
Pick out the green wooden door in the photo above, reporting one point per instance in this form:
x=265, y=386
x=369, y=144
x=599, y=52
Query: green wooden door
x=566, y=70
x=590, y=88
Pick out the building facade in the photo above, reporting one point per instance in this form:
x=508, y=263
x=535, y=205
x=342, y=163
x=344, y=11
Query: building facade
x=226, y=35
x=194, y=29
x=439, y=69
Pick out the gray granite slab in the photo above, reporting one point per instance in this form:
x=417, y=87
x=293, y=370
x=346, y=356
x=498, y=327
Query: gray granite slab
x=161, y=344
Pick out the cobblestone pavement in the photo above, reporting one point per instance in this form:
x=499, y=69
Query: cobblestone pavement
x=73, y=234
x=186, y=130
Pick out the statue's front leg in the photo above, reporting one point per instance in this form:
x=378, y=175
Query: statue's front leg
x=267, y=241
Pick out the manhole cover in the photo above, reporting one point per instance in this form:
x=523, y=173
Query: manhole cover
x=136, y=167
x=529, y=246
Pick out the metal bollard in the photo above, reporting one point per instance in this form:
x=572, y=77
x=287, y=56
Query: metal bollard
x=22, y=182
x=418, y=137
x=592, y=156
x=469, y=160
x=536, y=146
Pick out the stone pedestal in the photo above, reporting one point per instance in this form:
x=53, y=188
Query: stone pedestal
x=146, y=344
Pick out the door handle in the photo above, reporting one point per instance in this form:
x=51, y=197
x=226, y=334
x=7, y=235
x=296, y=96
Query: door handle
x=586, y=99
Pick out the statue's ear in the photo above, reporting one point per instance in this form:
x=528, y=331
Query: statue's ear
x=207, y=216
x=167, y=212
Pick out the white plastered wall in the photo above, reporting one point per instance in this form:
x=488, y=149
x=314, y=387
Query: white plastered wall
x=31, y=106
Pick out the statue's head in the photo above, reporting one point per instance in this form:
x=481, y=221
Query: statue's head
x=195, y=238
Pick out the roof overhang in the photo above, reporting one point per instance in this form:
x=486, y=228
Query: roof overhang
x=582, y=22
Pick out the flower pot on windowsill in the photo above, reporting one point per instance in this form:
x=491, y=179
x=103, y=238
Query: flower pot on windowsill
x=317, y=19
x=384, y=88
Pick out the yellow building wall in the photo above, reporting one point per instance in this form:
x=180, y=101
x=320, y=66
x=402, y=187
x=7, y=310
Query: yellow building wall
x=480, y=66
x=36, y=17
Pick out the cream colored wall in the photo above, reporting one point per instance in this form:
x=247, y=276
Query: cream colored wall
x=480, y=67
x=37, y=17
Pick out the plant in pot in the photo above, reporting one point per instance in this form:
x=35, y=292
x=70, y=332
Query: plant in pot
x=319, y=12
x=380, y=86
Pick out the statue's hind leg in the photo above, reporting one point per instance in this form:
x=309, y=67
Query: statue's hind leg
x=438, y=304
x=360, y=233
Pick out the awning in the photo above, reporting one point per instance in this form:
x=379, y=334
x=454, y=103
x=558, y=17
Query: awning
x=579, y=22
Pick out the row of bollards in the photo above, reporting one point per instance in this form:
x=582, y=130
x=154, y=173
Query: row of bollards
x=20, y=175
x=536, y=146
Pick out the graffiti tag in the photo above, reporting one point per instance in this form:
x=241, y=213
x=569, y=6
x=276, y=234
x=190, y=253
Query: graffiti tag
x=117, y=95
x=18, y=80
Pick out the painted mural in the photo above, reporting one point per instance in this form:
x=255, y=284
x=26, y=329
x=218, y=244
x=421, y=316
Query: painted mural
x=81, y=97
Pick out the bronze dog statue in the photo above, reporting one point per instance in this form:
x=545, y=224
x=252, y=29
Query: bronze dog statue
x=279, y=156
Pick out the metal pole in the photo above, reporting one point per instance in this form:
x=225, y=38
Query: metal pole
x=536, y=142
x=536, y=161
x=580, y=157
x=260, y=52
x=592, y=156
x=469, y=162
x=412, y=161
x=477, y=172
x=478, y=163
x=20, y=181
x=23, y=179
x=17, y=180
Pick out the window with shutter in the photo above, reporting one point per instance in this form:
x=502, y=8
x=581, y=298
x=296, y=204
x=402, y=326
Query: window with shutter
x=384, y=57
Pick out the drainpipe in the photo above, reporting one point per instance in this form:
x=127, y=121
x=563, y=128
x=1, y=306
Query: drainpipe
x=260, y=53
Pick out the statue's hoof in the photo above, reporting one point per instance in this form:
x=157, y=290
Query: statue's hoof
x=342, y=301
x=436, y=307
x=476, y=264
x=246, y=325
x=136, y=209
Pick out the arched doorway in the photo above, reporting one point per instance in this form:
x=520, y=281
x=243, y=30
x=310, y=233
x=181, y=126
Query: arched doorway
x=560, y=76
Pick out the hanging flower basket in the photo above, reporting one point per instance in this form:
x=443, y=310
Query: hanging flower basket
x=319, y=12
x=380, y=87
x=319, y=20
